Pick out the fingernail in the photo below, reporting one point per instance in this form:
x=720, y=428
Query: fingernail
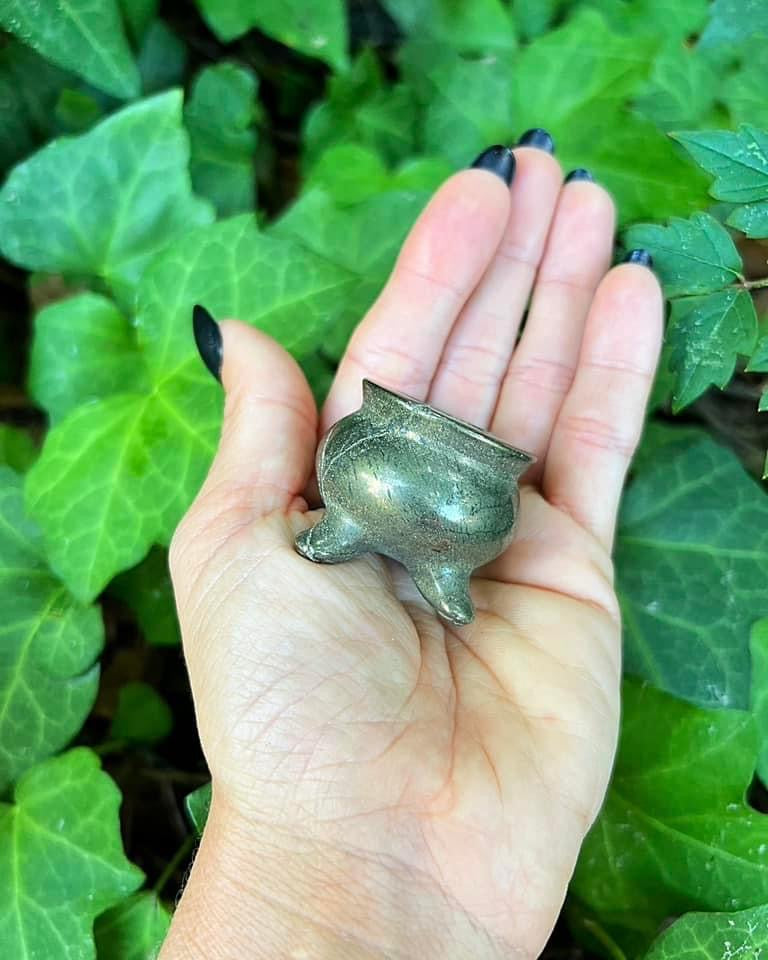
x=579, y=174
x=537, y=138
x=639, y=256
x=499, y=160
x=208, y=339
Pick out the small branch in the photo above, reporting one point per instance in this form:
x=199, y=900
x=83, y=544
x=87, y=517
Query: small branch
x=754, y=284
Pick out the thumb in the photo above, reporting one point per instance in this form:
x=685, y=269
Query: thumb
x=269, y=435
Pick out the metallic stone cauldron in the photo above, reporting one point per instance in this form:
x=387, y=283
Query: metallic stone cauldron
x=400, y=478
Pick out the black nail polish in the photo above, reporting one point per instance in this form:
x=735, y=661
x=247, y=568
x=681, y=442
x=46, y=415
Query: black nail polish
x=537, y=138
x=499, y=160
x=639, y=256
x=208, y=339
x=579, y=174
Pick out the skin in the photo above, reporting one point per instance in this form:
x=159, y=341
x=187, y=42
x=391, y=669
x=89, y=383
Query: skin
x=385, y=784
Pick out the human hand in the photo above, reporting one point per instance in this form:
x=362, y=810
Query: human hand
x=387, y=784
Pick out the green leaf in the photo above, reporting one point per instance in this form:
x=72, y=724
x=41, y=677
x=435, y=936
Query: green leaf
x=472, y=27
x=349, y=174
x=682, y=87
x=141, y=715
x=466, y=101
x=49, y=643
x=676, y=21
x=743, y=91
x=116, y=475
x=706, y=335
x=138, y=15
x=758, y=362
x=147, y=590
x=61, y=858
x=132, y=930
x=689, y=583
x=691, y=256
x=534, y=17
x=107, y=202
x=734, y=21
x=581, y=77
x=714, y=936
x=219, y=115
x=29, y=90
x=198, y=805
x=675, y=832
x=98, y=346
x=737, y=160
x=758, y=646
x=363, y=239
x=751, y=219
x=85, y=36
x=162, y=58
x=359, y=108
x=16, y=448
x=317, y=29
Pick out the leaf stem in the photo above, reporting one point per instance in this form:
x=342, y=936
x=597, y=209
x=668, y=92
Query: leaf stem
x=607, y=941
x=187, y=846
x=754, y=284
x=109, y=746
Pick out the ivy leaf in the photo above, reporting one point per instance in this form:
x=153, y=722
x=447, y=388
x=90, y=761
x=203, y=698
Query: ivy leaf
x=147, y=590
x=85, y=36
x=758, y=646
x=99, y=347
x=363, y=239
x=677, y=21
x=138, y=15
x=743, y=91
x=689, y=586
x=734, y=21
x=706, y=335
x=675, y=832
x=317, y=29
x=116, y=475
x=711, y=322
x=48, y=672
x=29, y=90
x=359, y=108
x=471, y=27
x=107, y=202
x=162, y=58
x=141, y=715
x=466, y=101
x=682, y=87
x=132, y=930
x=581, y=78
x=219, y=115
x=714, y=936
x=198, y=805
x=17, y=450
x=61, y=858
x=349, y=173
x=691, y=256
x=737, y=160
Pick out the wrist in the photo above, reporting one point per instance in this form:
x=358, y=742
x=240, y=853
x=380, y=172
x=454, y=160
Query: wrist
x=254, y=892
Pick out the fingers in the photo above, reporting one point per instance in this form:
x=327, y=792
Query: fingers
x=477, y=353
x=269, y=433
x=577, y=255
x=599, y=424
x=400, y=341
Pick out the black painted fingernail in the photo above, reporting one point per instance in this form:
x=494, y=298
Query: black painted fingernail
x=640, y=256
x=537, y=138
x=579, y=174
x=208, y=339
x=499, y=160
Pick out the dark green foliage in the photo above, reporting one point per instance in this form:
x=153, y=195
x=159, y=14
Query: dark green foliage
x=267, y=159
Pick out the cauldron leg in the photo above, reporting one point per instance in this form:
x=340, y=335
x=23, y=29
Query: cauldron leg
x=446, y=587
x=333, y=539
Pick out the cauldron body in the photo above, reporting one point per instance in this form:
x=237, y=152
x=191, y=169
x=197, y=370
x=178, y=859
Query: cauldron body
x=403, y=479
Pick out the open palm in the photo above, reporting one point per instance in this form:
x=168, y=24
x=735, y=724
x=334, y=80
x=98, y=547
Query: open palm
x=462, y=765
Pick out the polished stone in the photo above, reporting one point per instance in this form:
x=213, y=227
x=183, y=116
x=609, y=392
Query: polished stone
x=403, y=479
